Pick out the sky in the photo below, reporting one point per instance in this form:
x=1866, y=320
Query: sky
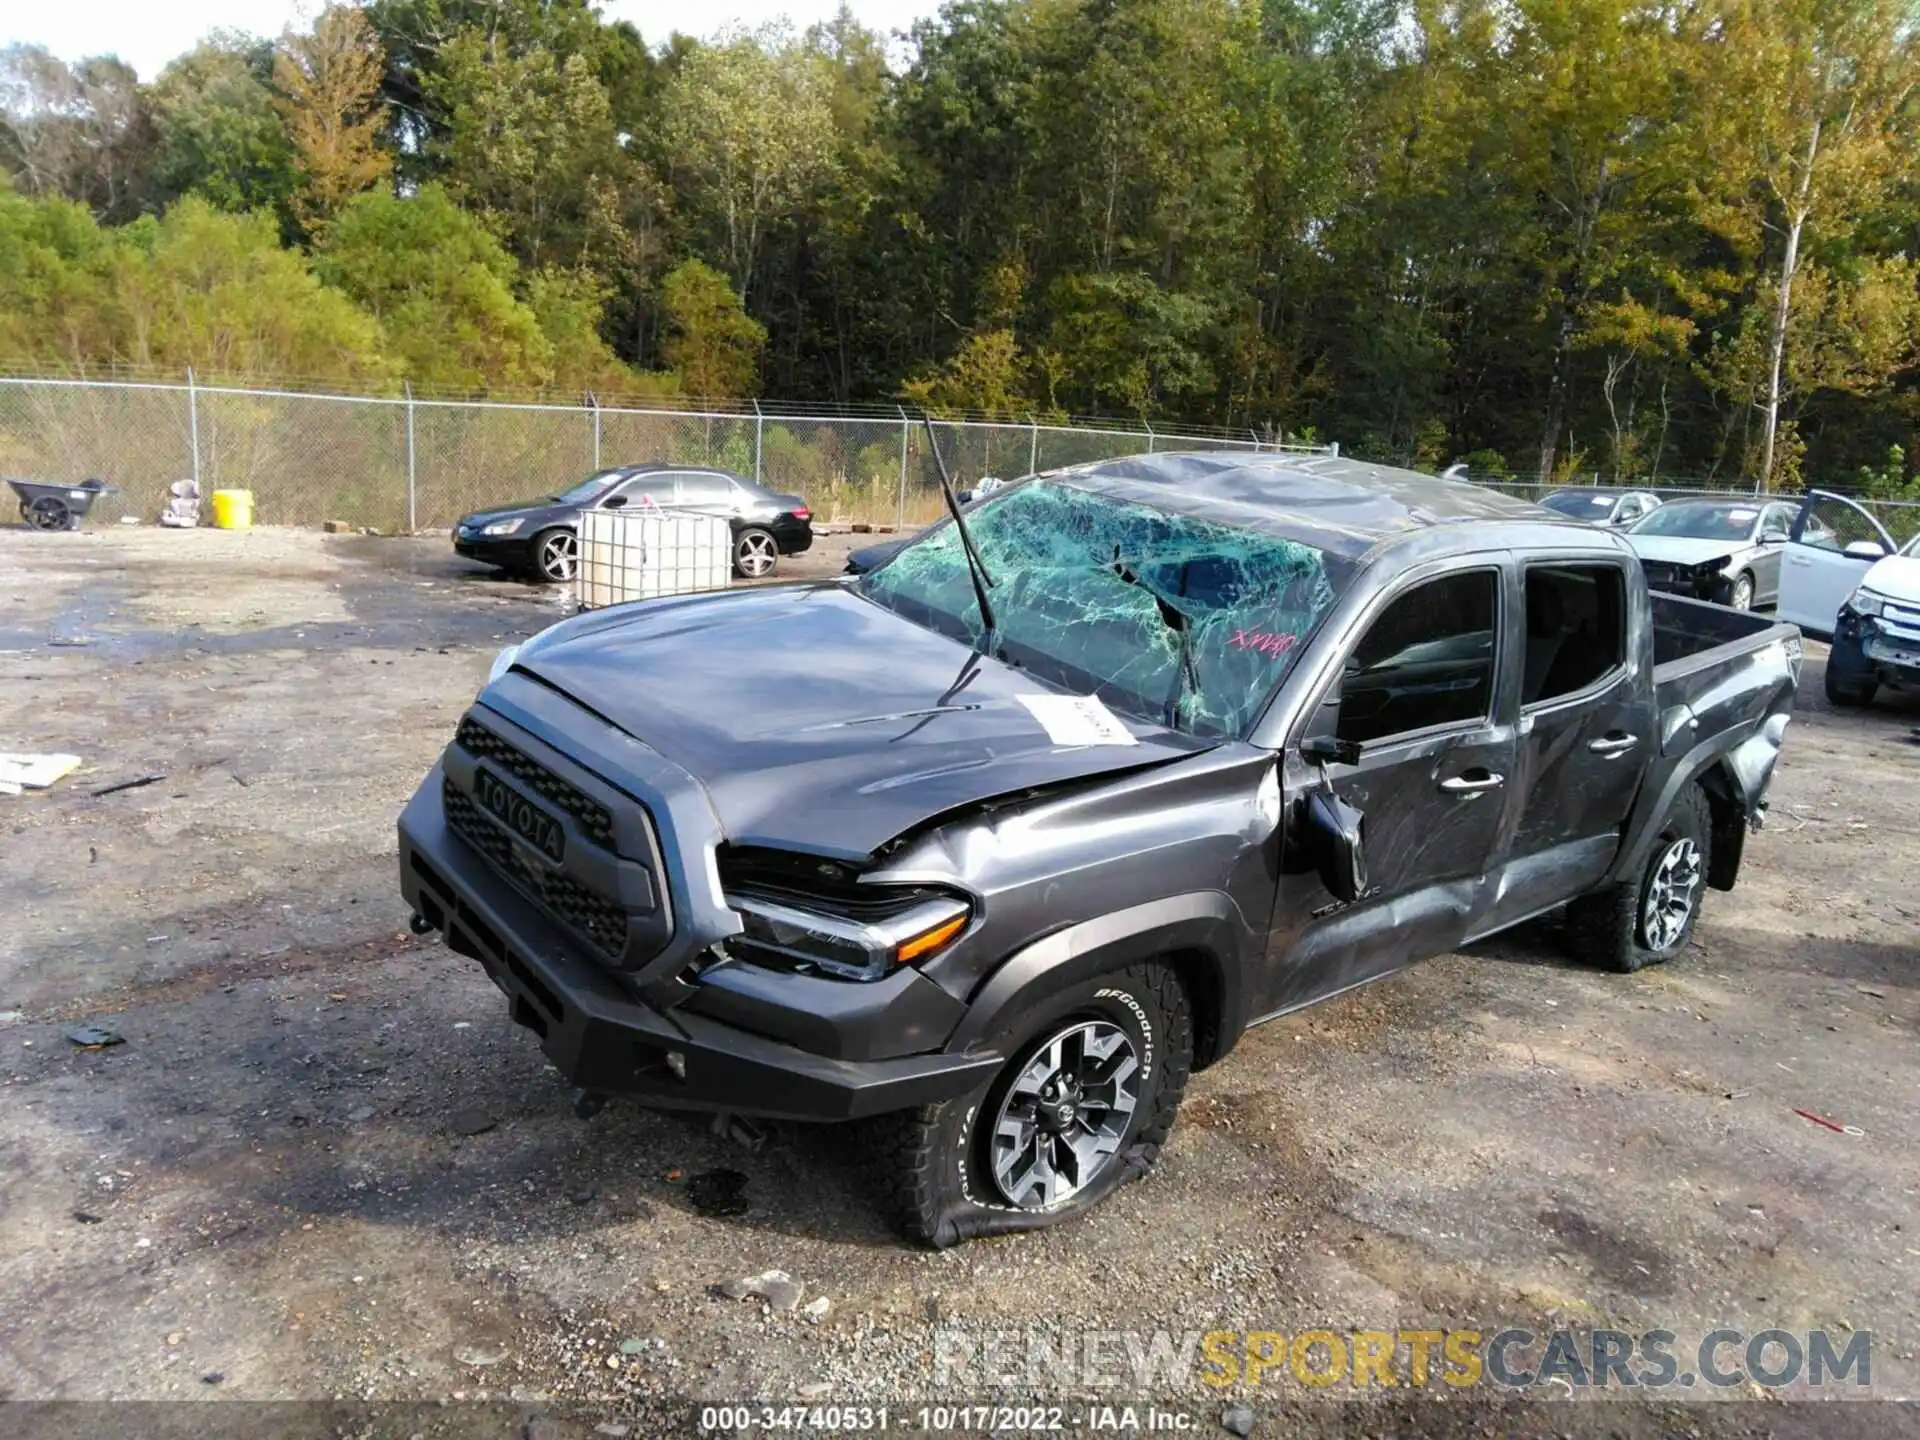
x=148, y=33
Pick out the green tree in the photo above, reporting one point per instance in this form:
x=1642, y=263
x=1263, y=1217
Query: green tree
x=748, y=131
x=712, y=344
x=220, y=136
x=84, y=131
x=441, y=286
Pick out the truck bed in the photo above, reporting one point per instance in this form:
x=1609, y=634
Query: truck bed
x=1725, y=667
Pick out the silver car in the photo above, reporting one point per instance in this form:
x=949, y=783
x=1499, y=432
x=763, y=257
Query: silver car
x=1722, y=550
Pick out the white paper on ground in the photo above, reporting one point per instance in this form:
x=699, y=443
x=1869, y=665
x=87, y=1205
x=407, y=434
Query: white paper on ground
x=1077, y=720
x=36, y=771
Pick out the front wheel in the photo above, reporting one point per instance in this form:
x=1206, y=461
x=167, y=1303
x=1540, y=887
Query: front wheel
x=1741, y=596
x=755, y=553
x=1849, y=679
x=1087, y=1097
x=556, y=556
x=1627, y=926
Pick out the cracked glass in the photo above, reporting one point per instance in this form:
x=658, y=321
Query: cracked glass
x=1176, y=619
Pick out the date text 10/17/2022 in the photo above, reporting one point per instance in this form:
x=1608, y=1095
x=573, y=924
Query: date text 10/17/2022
x=943, y=1419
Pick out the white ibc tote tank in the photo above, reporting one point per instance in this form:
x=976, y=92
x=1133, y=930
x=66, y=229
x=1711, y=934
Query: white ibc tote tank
x=639, y=553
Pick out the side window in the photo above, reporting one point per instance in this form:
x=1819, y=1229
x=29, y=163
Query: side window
x=1576, y=628
x=697, y=489
x=657, y=487
x=1833, y=524
x=1426, y=660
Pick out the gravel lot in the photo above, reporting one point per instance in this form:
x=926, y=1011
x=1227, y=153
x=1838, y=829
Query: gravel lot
x=266, y=1182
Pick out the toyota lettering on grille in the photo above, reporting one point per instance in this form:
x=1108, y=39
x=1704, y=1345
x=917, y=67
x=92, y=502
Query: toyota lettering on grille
x=520, y=815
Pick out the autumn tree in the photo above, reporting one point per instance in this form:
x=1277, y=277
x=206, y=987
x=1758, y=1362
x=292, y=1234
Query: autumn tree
x=328, y=81
x=1817, y=123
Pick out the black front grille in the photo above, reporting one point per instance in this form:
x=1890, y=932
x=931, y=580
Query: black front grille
x=593, y=818
x=596, y=919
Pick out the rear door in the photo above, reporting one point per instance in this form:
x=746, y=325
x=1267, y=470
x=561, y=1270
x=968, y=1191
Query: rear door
x=1586, y=727
x=1832, y=545
x=705, y=493
x=1417, y=695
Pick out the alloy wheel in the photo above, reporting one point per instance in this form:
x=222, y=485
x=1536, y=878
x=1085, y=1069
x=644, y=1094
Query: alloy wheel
x=1670, y=895
x=1065, y=1115
x=559, y=555
x=1742, y=598
x=756, y=554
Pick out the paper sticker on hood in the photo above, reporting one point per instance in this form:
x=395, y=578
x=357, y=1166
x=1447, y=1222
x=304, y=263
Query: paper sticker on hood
x=1077, y=720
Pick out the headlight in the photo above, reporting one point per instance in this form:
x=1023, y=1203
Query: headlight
x=502, y=663
x=1865, y=602
x=503, y=527
x=789, y=938
x=1710, y=569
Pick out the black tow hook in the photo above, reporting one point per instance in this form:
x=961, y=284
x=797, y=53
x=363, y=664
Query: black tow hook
x=587, y=1104
x=419, y=924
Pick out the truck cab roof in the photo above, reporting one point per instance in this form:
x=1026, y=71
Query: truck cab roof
x=1347, y=508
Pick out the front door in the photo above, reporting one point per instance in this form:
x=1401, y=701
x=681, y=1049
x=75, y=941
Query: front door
x=1416, y=697
x=1586, y=729
x=1832, y=546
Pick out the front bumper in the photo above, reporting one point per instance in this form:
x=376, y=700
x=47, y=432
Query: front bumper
x=509, y=552
x=1679, y=580
x=1893, y=651
x=606, y=1041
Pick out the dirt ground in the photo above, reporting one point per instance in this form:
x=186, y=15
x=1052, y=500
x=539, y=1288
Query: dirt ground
x=263, y=1195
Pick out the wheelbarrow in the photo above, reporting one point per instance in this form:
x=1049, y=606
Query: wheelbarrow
x=58, y=507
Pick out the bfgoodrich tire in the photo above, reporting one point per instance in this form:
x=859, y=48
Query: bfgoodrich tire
x=1087, y=1097
x=1625, y=927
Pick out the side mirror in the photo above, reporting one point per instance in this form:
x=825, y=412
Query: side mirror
x=1336, y=833
x=1773, y=537
x=613, y=502
x=1866, y=550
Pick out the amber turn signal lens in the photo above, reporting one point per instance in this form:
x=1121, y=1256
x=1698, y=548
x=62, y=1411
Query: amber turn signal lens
x=928, y=941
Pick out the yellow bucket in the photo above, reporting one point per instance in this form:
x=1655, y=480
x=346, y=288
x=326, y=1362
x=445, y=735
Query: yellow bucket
x=233, y=509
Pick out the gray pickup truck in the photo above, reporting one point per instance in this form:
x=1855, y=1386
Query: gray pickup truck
x=997, y=843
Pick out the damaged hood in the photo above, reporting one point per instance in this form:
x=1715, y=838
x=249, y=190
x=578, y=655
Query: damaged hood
x=1897, y=577
x=1679, y=550
x=817, y=720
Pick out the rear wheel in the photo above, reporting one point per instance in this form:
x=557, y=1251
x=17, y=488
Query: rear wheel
x=755, y=553
x=1086, y=1099
x=556, y=556
x=1627, y=926
x=1849, y=679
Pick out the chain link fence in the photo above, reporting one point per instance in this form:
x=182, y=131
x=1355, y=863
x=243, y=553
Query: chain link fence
x=405, y=464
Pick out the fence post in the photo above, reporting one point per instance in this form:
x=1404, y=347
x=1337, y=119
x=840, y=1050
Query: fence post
x=593, y=400
x=904, y=427
x=1033, y=444
x=1149, y=426
x=193, y=425
x=413, y=514
x=759, y=422
x=1333, y=448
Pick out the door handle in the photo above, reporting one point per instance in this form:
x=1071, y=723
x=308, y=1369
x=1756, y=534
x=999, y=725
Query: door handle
x=1474, y=782
x=1610, y=745
x=1798, y=560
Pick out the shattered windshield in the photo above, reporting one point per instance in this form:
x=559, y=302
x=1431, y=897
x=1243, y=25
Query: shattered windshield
x=1701, y=522
x=1174, y=619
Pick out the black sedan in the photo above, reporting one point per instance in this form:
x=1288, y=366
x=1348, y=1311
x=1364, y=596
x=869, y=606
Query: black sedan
x=1723, y=550
x=540, y=538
